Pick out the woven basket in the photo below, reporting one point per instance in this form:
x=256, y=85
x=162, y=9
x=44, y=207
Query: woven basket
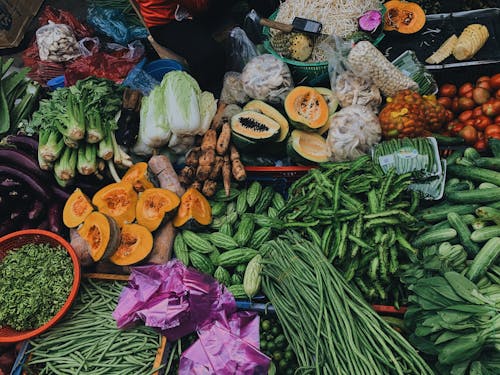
x=306, y=73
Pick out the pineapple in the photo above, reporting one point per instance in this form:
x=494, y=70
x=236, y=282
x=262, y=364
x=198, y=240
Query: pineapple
x=294, y=46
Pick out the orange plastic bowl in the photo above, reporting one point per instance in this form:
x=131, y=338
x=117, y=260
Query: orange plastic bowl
x=20, y=238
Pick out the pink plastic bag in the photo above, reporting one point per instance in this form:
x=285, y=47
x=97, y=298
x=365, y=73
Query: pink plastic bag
x=178, y=301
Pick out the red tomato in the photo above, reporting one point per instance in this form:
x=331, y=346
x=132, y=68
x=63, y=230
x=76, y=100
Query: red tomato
x=496, y=120
x=476, y=112
x=464, y=116
x=449, y=115
x=448, y=90
x=484, y=82
x=482, y=122
x=469, y=134
x=454, y=105
x=470, y=122
x=457, y=128
x=466, y=103
x=481, y=145
x=497, y=94
x=495, y=81
x=492, y=131
x=480, y=95
x=491, y=109
x=466, y=89
x=445, y=102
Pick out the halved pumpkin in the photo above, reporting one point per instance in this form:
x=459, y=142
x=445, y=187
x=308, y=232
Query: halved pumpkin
x=264, y=108
x=117, y=200
x=139, y=176
x=403, y=16
x=77, y=208
x=136, y=242
x=193, y=211
x=102, y=234
x=307, y=148
x=154, y=206
x=306, y=108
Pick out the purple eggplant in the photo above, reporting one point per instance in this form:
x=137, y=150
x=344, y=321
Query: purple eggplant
x=22, y=161
x=23, y=142
x=60, y=193
x=55, y=219
x=33, y=183
x=37, y=208
x=8, y=184
x=9, y=225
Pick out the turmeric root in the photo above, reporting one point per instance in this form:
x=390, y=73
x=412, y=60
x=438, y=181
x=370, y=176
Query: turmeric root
x=196, y=185
x=209, y=140
x=217, y=168
x=238, y=168
x=186, y=177
x=224, y=139
x=209, y=188
x=193, y=156
x=217, y=119
x=206, y=162
x=226, y=175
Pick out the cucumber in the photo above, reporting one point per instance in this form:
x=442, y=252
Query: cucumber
x=443, y=140
x=486, y=233
x=434, y=237
x=463, y=233
x=487, y=185
x=259, y=237
x=278, y=201
x=475, y=196
x=488, y=163
x=486, y=257
x=471, y=153
x=221, y=196
x=218, y=208
x=474, y=173
x=439, y=212
x=489, y=213
x=495, y=147
x=241, y=202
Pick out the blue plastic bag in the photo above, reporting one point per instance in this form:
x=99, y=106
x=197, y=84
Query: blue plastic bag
x=138, y=79
x=109, y=22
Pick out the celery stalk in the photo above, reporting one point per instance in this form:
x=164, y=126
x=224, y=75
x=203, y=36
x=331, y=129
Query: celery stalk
x=94, y=128
x=64, y=167
x=43, y=163
x=70, y=142
x=87, y=159
x=105, y=150
x=51, y=144
x=72, y=124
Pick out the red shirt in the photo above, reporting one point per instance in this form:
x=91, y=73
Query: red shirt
x=160, y=12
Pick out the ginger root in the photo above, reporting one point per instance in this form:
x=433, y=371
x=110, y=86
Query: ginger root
x=226, y=175
x=238, y=169
x=196, y=185
x=187, y=175
x=217, y=168
x=209, y=188
x=224, y=139
x=193, y=156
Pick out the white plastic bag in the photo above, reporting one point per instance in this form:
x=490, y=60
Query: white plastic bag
x=267, y=78
x=57, y=43
x=232, y=90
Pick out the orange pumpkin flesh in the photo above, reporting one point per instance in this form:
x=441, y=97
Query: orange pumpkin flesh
x=194, y=208
x=117, y=200
x=76, y=209
x=138, y=176
x=403, y=16
x=136, y=242
x=306, y=108
x=102, y=235
x=153, y=207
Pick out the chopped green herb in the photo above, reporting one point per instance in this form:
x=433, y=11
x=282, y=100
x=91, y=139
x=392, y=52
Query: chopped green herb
x=35, y=281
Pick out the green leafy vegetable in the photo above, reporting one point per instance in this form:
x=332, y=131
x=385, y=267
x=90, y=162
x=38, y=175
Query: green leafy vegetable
x=35, y=281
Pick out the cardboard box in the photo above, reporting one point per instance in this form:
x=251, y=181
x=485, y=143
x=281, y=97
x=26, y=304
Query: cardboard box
x=15, y=17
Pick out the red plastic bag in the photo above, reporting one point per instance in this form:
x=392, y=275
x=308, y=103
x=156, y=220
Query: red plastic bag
x=61, y=16
x=113, y=65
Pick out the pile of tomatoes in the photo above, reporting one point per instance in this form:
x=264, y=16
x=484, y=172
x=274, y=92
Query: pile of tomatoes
x=475, y=110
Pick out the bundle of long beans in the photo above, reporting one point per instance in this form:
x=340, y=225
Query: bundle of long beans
x=330, y=327
x=87, y=341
